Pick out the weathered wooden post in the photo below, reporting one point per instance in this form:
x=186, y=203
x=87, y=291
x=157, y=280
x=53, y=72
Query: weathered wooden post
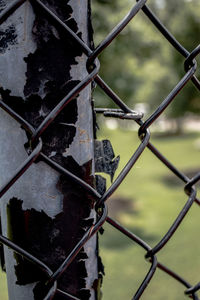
x=45, y=212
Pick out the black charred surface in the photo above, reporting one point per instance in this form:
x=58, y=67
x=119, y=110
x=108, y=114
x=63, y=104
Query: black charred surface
x=100, y=184
x=2, y=5
x=105, y=160
x=48, y=77
x=48, y=80
x=7, y=37
x=51, y=240
x=90, y=28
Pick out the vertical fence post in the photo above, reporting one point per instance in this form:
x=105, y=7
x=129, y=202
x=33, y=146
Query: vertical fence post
x=45, y=212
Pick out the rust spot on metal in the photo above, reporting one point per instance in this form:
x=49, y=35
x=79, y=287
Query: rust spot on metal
x=82, y=131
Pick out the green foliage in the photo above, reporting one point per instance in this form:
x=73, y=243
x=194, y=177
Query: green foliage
x=185, y=23
x=140, y=65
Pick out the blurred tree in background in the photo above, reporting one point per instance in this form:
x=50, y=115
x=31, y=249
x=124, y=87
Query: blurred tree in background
x=140, y=65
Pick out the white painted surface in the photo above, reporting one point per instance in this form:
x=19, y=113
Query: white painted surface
x=37, y=187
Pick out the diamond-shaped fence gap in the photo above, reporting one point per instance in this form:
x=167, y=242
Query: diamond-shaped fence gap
x=102, y=23
x=175, y=253
x=167, y=144
x=147, y=189
x=126, y=266
x=168, y=286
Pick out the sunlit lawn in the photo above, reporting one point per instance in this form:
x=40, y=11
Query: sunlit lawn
x=3, y=288
x=155, y=204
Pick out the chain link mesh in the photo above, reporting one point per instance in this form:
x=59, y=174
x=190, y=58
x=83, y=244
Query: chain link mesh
x=123, y=112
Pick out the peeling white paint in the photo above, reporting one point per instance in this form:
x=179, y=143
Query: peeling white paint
x=84, y=133
x=78, y=72
x=36, y=188
x=13, y=59
x=46, y=197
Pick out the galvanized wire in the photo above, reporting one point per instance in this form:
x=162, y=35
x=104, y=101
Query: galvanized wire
x=124, y=112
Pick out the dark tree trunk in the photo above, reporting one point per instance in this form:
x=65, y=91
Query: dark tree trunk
x=45, y=212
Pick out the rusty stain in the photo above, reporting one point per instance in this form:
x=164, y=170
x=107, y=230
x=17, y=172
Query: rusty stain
x=50, y=196
x=82, y=131
x=85, y=141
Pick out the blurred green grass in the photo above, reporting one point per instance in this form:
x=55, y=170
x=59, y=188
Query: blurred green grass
x=3, y=287
x=155, y=203
x=157, y=198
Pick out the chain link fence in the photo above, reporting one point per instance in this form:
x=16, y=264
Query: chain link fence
x=124, y=112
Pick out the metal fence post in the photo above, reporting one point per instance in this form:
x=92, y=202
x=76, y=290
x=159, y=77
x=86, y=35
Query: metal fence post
x=45, y=212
